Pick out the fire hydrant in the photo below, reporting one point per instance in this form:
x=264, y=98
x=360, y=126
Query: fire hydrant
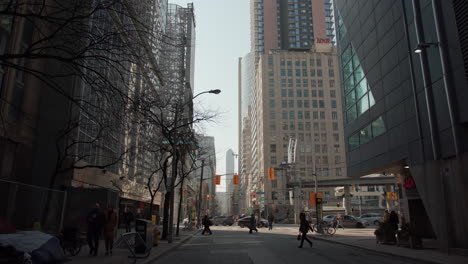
x=155, y=237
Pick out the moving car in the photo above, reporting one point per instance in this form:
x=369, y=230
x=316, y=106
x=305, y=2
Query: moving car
x=245, y=221
x=373, y=218
x=223, y=220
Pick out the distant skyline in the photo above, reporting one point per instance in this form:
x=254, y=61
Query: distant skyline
x=222, y=36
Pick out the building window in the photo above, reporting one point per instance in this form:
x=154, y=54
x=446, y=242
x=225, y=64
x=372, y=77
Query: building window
x=273, y=148
x=291, y=114
x=319, y=73
x=331, y=73
x=378, y=127
x=332, y=83
x=284, y=114
x=273, y=160
x=272, y=114
x=358, y=96
x=333, y=103
x=332, y=93
x=284, y=103
x=299, y=103
x=291, y=103
x=335, y=126
x=334, y=115
x=272, y=103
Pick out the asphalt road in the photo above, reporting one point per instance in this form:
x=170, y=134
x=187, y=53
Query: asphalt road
x=235, y=245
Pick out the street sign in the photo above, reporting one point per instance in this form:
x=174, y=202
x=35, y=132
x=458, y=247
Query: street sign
x=262, y=199
x=260, y=192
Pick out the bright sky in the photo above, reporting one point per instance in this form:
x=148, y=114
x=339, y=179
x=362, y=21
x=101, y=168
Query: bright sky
x=222, y=36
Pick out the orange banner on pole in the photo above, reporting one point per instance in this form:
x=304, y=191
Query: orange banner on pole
x=271, y=173
x=235, y=179
x=312, y=199
x=218, y=179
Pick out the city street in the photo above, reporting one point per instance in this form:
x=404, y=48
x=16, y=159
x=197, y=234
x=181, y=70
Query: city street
x=235, y=245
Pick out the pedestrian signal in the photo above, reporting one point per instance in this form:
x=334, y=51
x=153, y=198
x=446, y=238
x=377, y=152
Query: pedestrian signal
x=208, y=197
x=271, y=174
x=235, y=179
x=218, y=179
x=313, y=199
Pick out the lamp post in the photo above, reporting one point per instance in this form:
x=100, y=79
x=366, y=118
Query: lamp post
x=174, y=164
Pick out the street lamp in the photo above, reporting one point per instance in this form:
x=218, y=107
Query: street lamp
x=216, y=91
x=423, y=46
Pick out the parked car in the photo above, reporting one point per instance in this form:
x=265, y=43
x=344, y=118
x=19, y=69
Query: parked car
x=223, y=220
x=329, y=218
x=245, y=221
x=347, y=221
x=373, y=218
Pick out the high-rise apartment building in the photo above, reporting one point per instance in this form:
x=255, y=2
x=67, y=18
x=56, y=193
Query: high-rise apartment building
x=291, y=24
x=404, y=66
x=289, y=90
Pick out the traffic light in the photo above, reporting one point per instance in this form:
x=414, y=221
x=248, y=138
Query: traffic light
x=218, y=179
x=319, y=197
x=271, y=174
x=235, y=179
x=254, y=195
x=313, y=199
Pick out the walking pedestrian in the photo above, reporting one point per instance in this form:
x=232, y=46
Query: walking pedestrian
x=253, y=224
x=206, y=224
x=109, y=228
x=95, y=221
x=270, y=221
x=304, y=229
x=128, y=219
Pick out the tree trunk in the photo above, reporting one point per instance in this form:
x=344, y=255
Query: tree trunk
x=180, y=205
x=167, y=199
x=173, y=180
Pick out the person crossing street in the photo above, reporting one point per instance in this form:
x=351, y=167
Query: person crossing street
x=206, y=224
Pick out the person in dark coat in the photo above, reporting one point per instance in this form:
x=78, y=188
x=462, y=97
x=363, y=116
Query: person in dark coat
x=128, y=219
x=393, y=221
x=95, y=223
x=206, y=223
x=253, y=225
x=304, y=229
x=271, y=218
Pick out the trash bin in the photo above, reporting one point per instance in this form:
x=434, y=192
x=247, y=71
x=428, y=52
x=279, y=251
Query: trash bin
x=145, y=229
x=155, y=236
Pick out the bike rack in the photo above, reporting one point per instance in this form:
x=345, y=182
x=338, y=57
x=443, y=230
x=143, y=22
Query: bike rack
x=130, y=241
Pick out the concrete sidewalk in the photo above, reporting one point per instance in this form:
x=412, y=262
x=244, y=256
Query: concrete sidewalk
x=365, y=239
x=121, y=255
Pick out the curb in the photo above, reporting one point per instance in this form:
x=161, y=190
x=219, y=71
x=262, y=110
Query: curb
x=150, y=258
x=373, y=250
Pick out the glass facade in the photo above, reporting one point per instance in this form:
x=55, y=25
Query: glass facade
x=367, y=133
x=358, y=96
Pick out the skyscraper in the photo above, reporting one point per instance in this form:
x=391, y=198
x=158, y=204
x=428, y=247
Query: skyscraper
x=404, y=66
x=289, y=92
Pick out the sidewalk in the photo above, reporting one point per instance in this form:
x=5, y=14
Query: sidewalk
x=120, y=255
x=365, y=239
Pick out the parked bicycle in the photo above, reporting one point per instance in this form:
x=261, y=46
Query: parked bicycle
x=70, y=240
x=324, y=228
